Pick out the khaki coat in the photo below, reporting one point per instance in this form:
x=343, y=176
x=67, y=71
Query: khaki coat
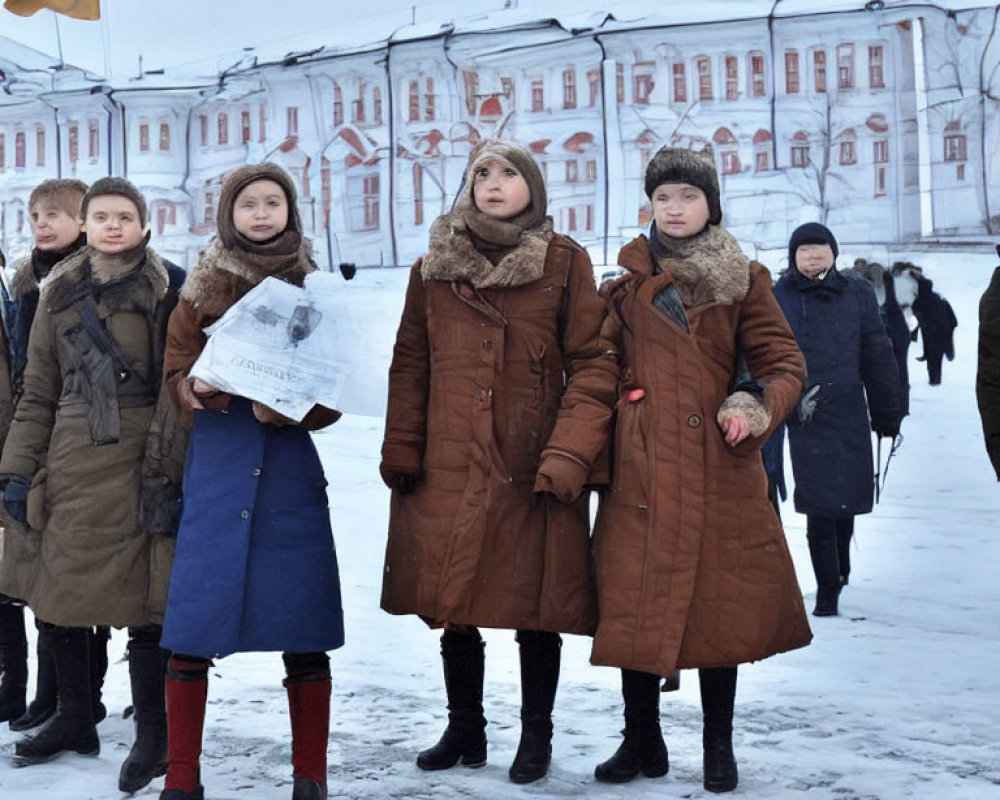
x=485, y=386
x=82, y=455
x=692, y=565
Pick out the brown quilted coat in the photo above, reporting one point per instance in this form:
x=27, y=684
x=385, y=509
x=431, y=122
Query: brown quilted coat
x=486, y=385
x=692, y=565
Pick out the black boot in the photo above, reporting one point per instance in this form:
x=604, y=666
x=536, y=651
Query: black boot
x=46, y=692
x=99, y=638
x=72, y=727
x=718, y=695
x=845, y=530
x=305, y=789
x=822, y=538
x=147, y=666
x=464, y=740
x=13, y=661
x=643, y=749
x=539, y=651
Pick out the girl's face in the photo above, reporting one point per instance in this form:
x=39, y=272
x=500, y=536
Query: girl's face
x=261, y=210
x=499, y=190
x=680, y=210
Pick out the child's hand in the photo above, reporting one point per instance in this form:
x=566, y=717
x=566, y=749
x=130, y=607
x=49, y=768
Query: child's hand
x=191, y=390
x=735, y=426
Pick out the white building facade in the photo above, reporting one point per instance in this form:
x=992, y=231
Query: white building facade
x=884, y=124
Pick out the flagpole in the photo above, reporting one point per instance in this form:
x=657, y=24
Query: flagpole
x=55, y=19
x=106, y=38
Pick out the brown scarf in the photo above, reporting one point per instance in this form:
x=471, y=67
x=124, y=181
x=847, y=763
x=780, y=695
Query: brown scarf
x=454, y=252
x=707, y=267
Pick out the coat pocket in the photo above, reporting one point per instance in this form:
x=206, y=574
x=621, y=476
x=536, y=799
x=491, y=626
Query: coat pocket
x=38, y=513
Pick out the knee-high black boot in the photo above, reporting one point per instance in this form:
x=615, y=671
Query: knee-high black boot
x=13, y=661
x=147, y=668
x=99, y=638
x=821, y=533
x=46, y=691
x=71, y=727
x=718, y=696
x=464, y=740
x=539, y=651
x=643, y=749
x=845, y=530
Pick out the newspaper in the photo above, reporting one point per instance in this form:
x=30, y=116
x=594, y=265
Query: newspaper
x=287, y=347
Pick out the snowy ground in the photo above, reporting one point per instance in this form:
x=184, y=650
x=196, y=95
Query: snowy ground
x=896, y=698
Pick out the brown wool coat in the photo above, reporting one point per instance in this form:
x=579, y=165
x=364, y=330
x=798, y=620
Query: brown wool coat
x=484, y=387
x=692, y=565
x=93, y=562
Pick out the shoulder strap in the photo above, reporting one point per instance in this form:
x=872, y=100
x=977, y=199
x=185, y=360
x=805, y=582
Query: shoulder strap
x=87, y=309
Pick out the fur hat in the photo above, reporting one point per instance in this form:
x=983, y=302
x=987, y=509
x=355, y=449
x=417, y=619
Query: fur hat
x=677, y=165
x=118, y=186
x=810, y=233
x=237, y=181
x=518, y=157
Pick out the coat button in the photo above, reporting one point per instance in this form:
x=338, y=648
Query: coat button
x=256, y=472
x=694, y=421
x=244, y=514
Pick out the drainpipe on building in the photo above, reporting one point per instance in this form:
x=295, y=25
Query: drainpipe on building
x=604, y=139
x=391, y=130
x=120, y=107
x=774, y=86
x=55, y=116
x=983, y=91
x=924, y=178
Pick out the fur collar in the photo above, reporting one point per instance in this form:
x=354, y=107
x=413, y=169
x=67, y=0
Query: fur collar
x=452, y=256
x=223, y=275
x=71, y=276
x=24, y=281
x=706, y=268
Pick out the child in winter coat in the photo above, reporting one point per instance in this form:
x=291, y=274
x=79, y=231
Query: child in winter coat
x=72, y=461
x=500, y=392
x=54, y=216
x=853, y=390
x=692, y=566
x=255, y=567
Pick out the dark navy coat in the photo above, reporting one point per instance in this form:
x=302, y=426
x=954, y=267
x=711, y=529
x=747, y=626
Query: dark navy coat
x=256, y=568
x=848, y=354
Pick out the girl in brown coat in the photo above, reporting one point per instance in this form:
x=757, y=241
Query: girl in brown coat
x=692, y=565
x=500, y=393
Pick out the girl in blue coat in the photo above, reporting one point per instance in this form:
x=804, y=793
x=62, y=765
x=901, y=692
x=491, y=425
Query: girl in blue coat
x=852, y=389
x=255, y=568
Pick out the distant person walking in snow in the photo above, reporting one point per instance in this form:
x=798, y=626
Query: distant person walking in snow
x=693, y=571
x=852, y=389
x=500, y=393
x=936, y=322
x=988, y=370
x=894, y=320
x=256, y=569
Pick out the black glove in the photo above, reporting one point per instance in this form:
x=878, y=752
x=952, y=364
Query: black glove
x=886, y=431
x=348, y=270
x=404, y=482
x=15, y=497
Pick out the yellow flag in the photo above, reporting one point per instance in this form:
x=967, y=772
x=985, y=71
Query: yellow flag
x=78, y=9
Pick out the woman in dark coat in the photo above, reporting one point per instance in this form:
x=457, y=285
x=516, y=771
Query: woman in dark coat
x=693, y=571
x=937, y=324
x=255, y=568
x=852, y=389
x=500, y=394
x=988, y=368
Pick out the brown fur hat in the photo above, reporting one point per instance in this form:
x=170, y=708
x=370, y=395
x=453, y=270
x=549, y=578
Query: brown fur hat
x=237, y=181
x=677, y=165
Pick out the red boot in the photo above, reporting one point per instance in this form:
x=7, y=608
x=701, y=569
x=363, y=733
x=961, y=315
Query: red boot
x=186, y=694
x=309, y=709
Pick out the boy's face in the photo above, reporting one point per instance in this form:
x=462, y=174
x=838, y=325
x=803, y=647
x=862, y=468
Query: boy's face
x=680, y=210
x=52, y=228
x=112, y=224
x=260, y=211
x=499, y=190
